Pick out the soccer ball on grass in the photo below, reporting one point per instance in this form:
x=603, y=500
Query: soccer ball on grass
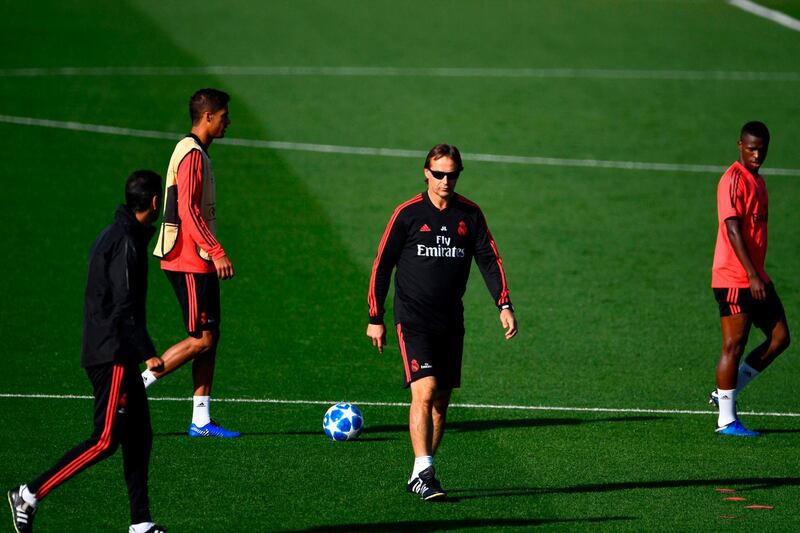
x=343, y=421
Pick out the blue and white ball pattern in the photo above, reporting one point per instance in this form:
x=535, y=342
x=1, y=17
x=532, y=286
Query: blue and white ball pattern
x=343, y=421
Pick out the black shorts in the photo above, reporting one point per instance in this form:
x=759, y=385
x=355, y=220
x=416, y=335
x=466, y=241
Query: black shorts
x=432, y=354
x=763, y=314
x=198, y=295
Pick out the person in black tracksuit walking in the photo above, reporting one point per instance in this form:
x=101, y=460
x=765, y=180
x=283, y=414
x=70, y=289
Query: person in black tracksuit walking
x=115, y=341
x=431, y=240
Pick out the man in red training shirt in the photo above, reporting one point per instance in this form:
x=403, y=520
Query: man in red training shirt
x=743, y=290
x=191, y=257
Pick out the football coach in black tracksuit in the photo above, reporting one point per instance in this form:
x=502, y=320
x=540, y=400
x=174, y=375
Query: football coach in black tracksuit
x=431, y=240
x=115, y=341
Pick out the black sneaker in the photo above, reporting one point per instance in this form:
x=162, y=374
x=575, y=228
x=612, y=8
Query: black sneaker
x=155, y=528
x=426, y=485
x=21, y=512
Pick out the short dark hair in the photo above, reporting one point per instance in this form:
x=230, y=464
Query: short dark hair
x=444, y=150
x=140, y=187
x=211, y=100
x=756, y=129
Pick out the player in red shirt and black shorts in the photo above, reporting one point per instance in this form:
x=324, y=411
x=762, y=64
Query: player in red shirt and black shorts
x=742, y=288
x=192, y=258
x=430, y=242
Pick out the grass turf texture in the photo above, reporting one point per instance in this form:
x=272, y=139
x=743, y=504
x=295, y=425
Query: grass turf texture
x=609, y=269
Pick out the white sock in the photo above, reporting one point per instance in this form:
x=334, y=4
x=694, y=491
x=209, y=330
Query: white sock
x=420, y=464
x=28, y=496
x=148, y=378
x=141, y=527
x=727, y=407
x=201, y=415
x=746, y=374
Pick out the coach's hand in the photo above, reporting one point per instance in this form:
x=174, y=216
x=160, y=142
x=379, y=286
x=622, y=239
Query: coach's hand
x=377, y=332
x=155, y=363
x=509, y=322
x=224, y=267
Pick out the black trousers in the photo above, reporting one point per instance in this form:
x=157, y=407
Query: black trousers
x=121, y=416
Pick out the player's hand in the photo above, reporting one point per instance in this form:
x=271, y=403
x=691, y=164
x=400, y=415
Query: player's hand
x=155, y=363
x=224, y=267
x=757, y=288
x=377, y=332
x=509, y=322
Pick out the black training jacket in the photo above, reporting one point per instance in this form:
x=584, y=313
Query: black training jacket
x=432, y=251
x=114, y=321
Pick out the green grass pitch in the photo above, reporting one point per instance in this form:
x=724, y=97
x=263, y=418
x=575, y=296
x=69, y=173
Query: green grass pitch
x=608, y=268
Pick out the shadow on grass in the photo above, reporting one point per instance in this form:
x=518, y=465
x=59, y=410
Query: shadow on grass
x=488, y=425
x=461, y=426
x=466, y=523
x=768, y=431
x=752, y=484
x=245, y=434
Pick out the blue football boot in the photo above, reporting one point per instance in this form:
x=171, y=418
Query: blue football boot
x=212, y=430
x=736, y=429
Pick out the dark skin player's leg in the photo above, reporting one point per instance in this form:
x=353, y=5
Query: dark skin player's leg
x=735, y=330
x=775, y=344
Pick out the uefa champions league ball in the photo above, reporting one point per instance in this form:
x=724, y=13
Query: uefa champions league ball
x=343, y=421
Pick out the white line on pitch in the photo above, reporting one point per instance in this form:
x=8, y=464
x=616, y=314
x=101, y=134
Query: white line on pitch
x=387, y=152
x=403, y=404
x=409, y=72
x=775, y=16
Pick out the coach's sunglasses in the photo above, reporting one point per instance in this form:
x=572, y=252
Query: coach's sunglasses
x=440, y=174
